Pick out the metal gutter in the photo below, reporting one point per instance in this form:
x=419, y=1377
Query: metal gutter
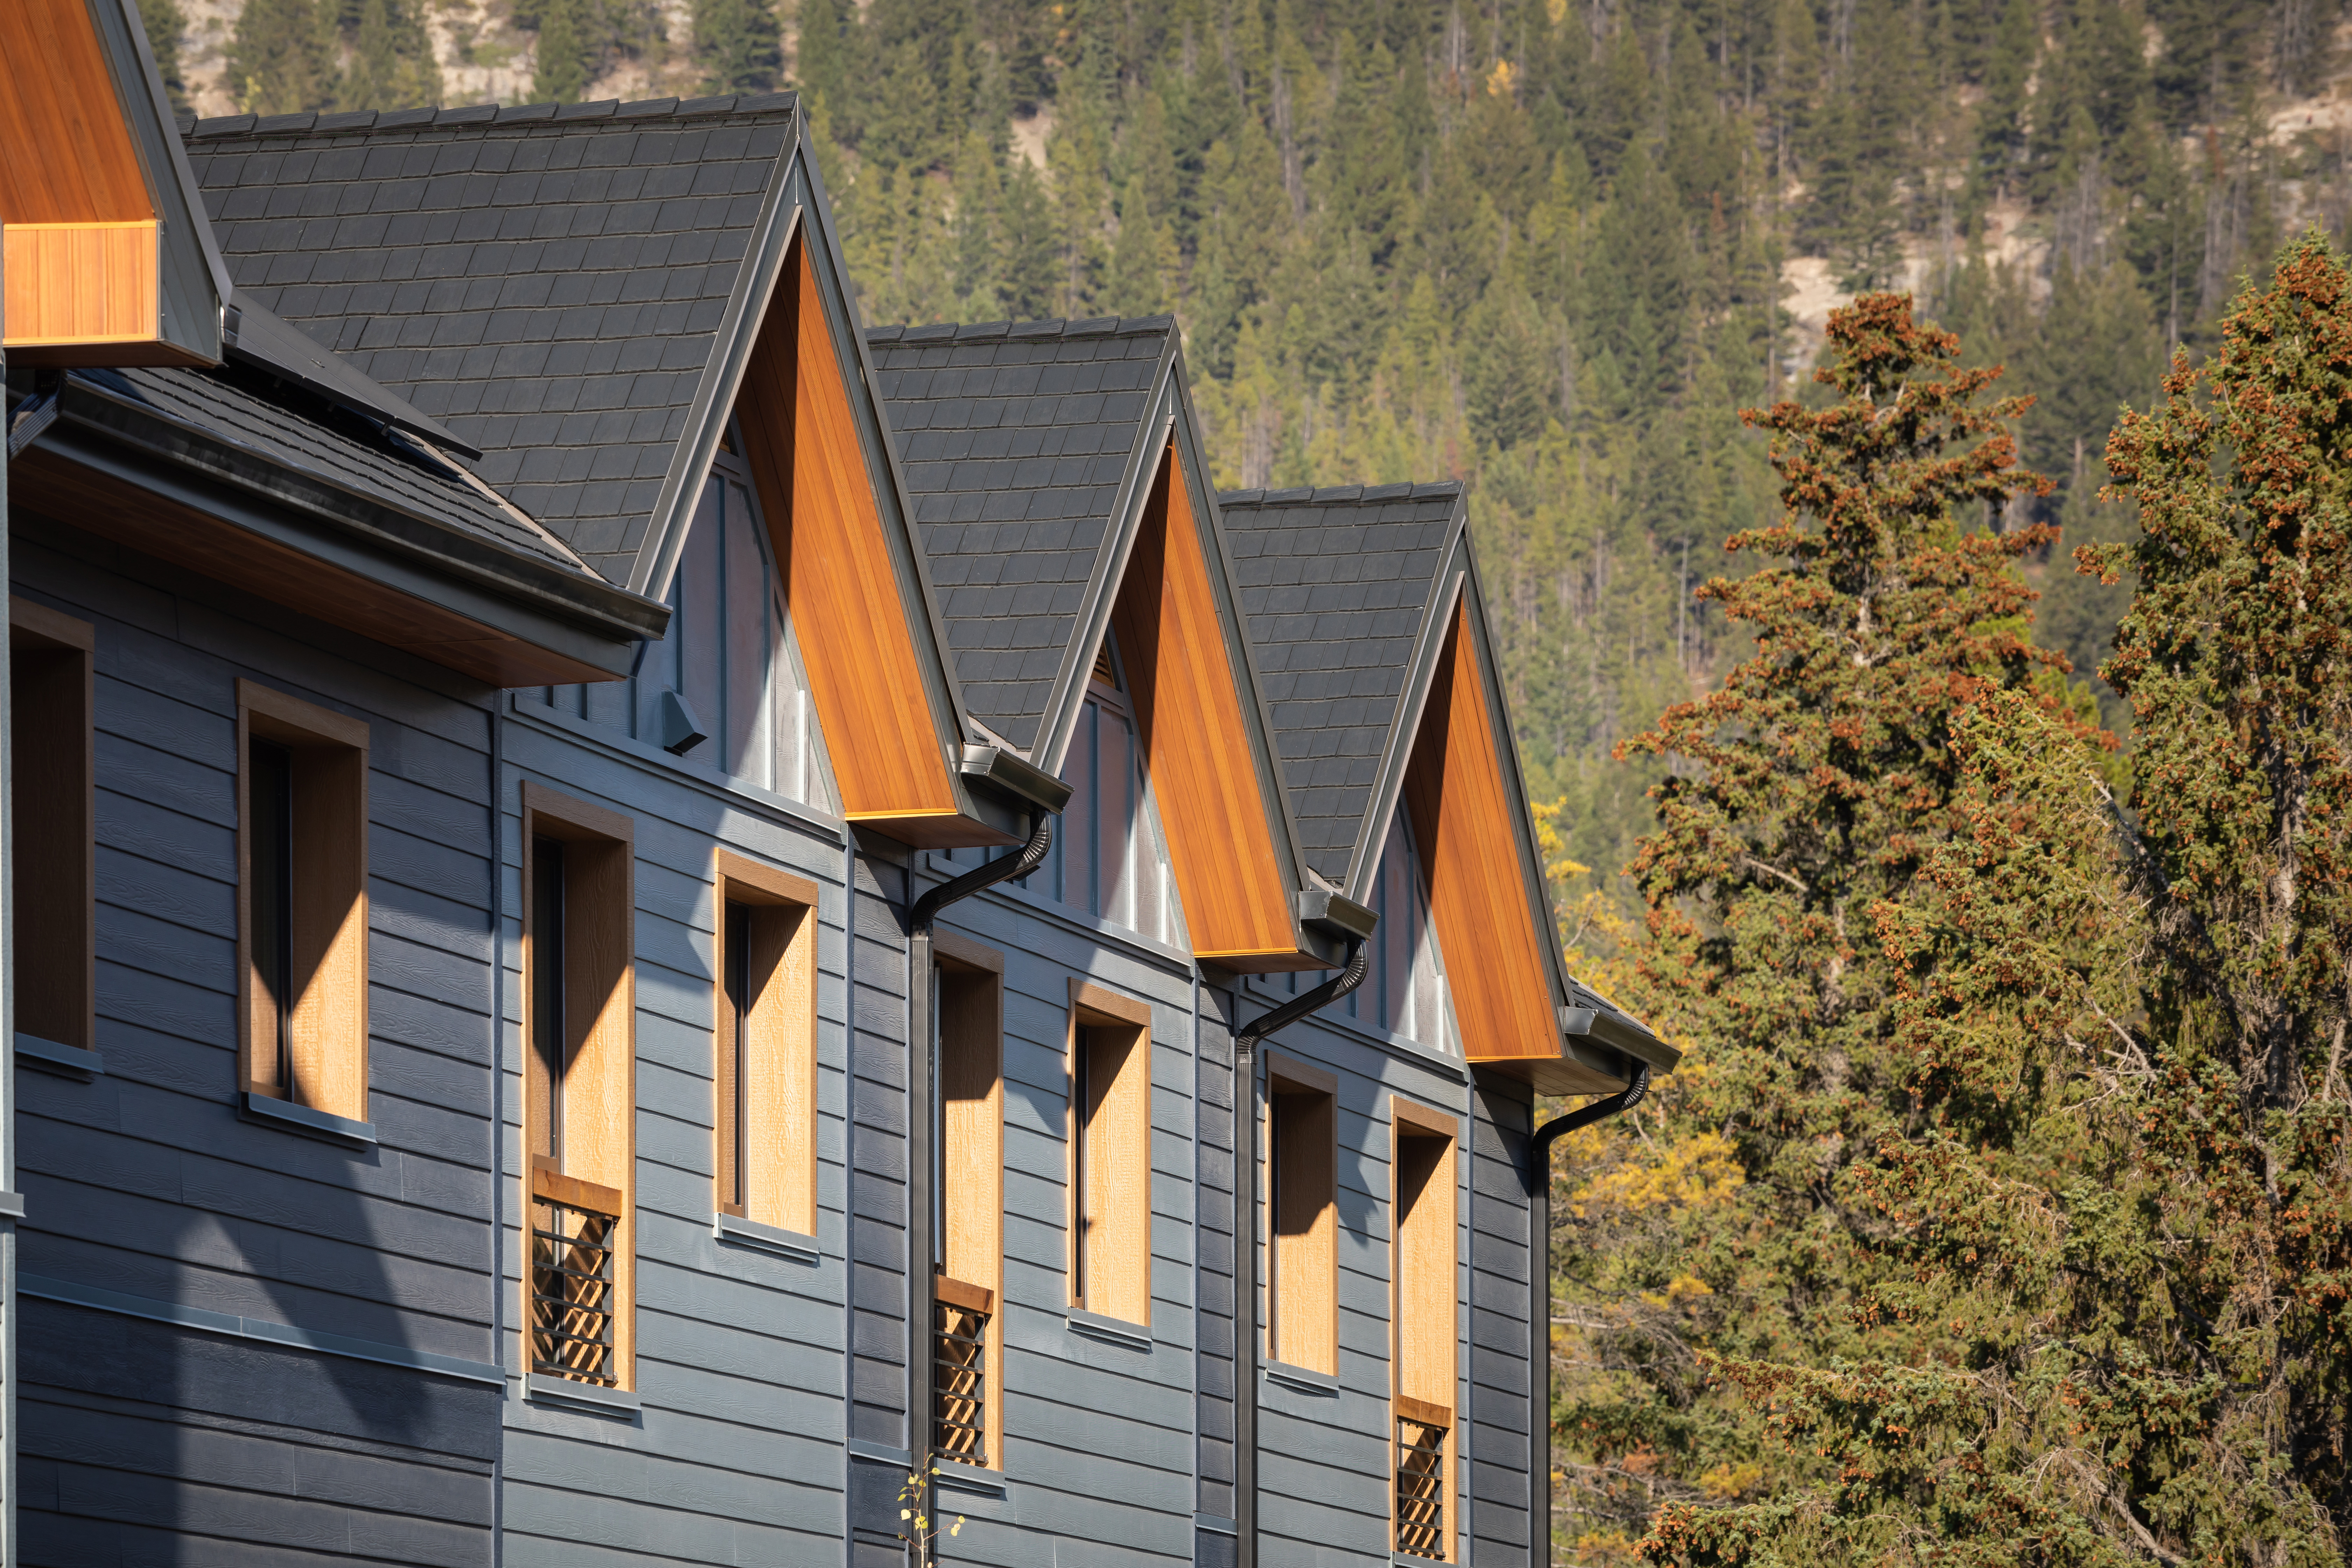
x=1539, y=1298
x=1245, y=1339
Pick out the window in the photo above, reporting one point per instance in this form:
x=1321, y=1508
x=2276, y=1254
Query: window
x=1302, y=1154
x=1423, y=1361
x=728, y=657
x=1106, y=858
x=1406, y=995
x=580, y=1095
x=1110, y=1153
x=968, y=1393
x=302, y=903
x=765, y=1001
x=50, y=835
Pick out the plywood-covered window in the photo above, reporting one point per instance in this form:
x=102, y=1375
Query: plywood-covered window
x=1110, y=1153
x=580, y=1097
x=302, y=902
x=1422, y=1266
x=765, y=1046
x=969, y=1392
x=1303, y=1232
x=50, y=827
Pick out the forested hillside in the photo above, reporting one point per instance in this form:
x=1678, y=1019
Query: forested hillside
x=1552, y=247
x=1548, y=247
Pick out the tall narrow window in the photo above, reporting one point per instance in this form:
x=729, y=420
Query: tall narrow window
x=1110, y=1153
x=1106, y=858
x=1303, y=1277
x=302, y=903
x=765, y=1081
x=50, y=830
x=969, y=1345
x=1405, y=993
x=1421, y=1145
x=580, y=1095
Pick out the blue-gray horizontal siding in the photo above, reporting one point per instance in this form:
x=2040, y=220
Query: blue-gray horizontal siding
x=737, y=1454
x=148, y=1440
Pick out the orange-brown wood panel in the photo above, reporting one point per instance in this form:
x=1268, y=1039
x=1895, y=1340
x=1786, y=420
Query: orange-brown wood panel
x=66, y=155
x=972, y=1150
x=1423, y=1265
x=767, y=1081
x=163, y=528
x=1109, y=1144
x=52, y=838
x=81, y=283
x=1302, y=1276
x=1487, y=930
x=599, y=1036
x=816, y=490
x=326, y=1044
x=1197, y=752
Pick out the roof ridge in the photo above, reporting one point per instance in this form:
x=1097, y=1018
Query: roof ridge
x=367, y=121
x=1058, y=326
x=1340, y=495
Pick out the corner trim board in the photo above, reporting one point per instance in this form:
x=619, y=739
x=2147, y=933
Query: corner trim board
x=282, y=1335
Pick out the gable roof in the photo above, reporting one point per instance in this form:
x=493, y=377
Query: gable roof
x=1014, y=438
x=1365, y=613
x=551, y=282
x=1336, y=583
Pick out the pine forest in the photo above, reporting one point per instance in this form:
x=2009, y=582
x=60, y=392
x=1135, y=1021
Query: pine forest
x=1909, y=444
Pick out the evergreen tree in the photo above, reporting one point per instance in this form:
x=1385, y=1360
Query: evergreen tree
x=738, y=44
x=166, y=24
x=281, y=57
x=392, y=64
x=566, y=52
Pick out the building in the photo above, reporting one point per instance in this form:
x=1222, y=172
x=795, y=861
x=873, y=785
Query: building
x=666, y=880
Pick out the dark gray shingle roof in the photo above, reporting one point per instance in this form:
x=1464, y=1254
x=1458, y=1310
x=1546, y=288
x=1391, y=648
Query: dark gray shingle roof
x=547, y=280
x=1333, y=586
x=228, y=406
x=1012, y=437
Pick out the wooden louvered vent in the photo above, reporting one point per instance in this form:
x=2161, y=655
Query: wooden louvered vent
x=571, y=1298
x=960, y=1370
x=1422, y=1430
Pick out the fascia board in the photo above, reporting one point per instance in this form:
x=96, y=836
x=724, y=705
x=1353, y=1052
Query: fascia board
x=342, y=541
x=597, y=609
x=194, y=284
x=722, y=378
x=1396, y=757
x=1069, y=692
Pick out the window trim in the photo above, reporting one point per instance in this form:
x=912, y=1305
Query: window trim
x=1315, y=1254
x=1094, y=1007
x=1411, y=1121
x=787, y=1004
x=34, y=628
x=972, y=1234
x=333, y=749
x=604, y=1162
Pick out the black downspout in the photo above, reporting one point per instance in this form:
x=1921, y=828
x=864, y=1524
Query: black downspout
x=1246, y=1345
x=1539, y=1301
x=923, y=1258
